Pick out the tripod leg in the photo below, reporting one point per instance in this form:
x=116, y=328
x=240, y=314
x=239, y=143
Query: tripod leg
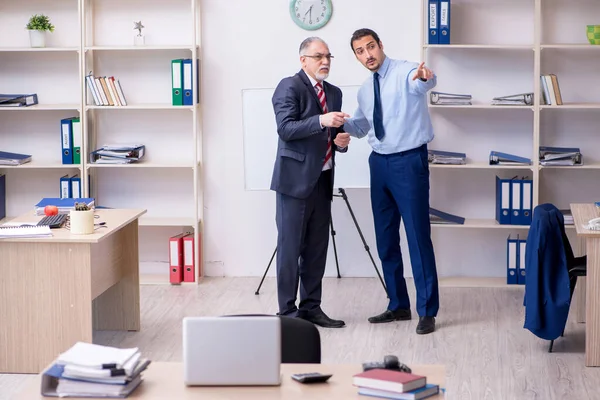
x=337, y=265
x=345, y=197
x=266, y=270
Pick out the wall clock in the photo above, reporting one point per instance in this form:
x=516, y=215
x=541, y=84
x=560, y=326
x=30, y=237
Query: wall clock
x=311, y=14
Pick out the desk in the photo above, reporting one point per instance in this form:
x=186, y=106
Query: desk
x=582, y=213
x=54, y=291
x=164, y=380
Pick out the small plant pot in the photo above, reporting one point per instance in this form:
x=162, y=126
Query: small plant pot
x=37, y=38
x=82, y=222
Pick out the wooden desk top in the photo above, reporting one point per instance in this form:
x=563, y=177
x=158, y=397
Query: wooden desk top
x=115, y=219
x=582, y=213
x=164, y=380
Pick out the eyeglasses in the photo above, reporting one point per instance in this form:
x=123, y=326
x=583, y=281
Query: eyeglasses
x=319, y=57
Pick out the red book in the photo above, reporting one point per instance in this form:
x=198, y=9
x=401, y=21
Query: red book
x=392, y=381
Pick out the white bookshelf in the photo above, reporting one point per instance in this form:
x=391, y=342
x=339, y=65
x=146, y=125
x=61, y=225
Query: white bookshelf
x=501, y=47
x=98, y=36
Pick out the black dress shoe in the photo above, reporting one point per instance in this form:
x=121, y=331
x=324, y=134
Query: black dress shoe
x=323, y=320
x=400, y=314
x=425, y=325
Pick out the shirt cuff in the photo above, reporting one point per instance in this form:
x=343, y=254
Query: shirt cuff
x=320, y=124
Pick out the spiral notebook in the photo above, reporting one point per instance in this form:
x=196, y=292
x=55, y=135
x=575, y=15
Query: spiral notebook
x=24, y=231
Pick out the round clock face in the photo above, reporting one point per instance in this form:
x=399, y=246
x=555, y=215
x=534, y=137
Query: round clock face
x=310, y=14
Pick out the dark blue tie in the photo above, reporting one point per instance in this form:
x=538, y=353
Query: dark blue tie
x=377, y=112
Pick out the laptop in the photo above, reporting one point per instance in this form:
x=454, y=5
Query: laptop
x=232, y=351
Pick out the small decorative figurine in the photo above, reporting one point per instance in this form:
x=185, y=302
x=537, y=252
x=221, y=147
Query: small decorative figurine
x=138, y=39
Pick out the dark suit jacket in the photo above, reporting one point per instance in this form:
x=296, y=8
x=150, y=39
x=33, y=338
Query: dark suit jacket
x=547, y=287
x=302, y=143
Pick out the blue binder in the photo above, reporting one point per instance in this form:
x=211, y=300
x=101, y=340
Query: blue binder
x=512, y=260
x=75, y=182
x=526, y=201
x=521, y=245
x=2, y=196
x=66, y=139
x=65, y=187
x=503, y=200
x=516, y=201
x=188, y=77
x=434, y=22
x=444, y=21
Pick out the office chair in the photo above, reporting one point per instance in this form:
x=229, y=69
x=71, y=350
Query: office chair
x=300, y=339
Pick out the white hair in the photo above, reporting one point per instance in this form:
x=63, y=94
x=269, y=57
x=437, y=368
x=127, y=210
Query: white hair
x=307, y=42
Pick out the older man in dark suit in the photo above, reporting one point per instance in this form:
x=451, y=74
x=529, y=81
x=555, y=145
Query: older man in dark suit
x=307, y=112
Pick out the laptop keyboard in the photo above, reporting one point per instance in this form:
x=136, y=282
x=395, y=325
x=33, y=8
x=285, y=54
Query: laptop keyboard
x=54, y=221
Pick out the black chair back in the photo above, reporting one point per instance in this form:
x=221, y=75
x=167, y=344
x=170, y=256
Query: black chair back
x=300, y=339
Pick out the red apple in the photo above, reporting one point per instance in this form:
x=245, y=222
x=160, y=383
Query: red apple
x=50, y=210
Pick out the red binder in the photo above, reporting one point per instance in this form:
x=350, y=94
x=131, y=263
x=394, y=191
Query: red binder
x=176, y=259
x=189, y=272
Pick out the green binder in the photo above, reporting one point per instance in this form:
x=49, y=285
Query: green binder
x=76, y=140
x=177, y=81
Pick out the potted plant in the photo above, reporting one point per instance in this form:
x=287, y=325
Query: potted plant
x=81, y=219
x=37, y=26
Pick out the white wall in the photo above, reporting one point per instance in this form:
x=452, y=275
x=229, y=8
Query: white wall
x=255, y=44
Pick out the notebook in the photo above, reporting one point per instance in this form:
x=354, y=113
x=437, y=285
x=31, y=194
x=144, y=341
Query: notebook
x=24, y=231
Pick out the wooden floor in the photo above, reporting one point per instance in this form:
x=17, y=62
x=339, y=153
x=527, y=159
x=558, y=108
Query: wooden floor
x=480, y=336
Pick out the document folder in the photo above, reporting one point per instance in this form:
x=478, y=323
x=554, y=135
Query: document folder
x=512, y=260
x=189, y=270
x=503, y=200
x=176, y=259
x=434, y=22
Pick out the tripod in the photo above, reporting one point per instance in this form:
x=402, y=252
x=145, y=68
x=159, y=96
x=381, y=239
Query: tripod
x=344, y=196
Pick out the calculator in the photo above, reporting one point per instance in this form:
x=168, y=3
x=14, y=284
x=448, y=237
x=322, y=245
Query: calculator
x=311, y=377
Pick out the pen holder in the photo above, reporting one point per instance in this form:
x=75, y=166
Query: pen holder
x=82, y=222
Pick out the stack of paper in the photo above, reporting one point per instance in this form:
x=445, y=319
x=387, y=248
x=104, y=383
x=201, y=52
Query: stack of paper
x=90, y=370
x=440, y=98
x=446, y=157
x=25, y=231
x=560, y=156
x=568, y=217
x=118, y=154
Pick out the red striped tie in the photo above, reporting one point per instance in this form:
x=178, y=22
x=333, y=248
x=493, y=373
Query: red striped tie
x=323, y=101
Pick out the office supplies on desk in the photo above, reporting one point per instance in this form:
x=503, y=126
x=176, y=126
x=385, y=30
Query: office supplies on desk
x=64, y=205
x=232, y=351
x=53, y=221
x=24, y=231
x=88, y=370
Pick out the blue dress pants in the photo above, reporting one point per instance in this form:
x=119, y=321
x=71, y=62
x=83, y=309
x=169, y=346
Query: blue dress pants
x=400, y=190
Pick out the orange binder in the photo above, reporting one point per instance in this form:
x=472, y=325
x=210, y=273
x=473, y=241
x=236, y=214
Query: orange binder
x=189, y=272
x=176, y=258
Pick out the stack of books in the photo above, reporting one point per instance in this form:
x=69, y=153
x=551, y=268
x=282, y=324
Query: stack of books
x=440, y=98
x=560, y=156
x=521, y=99
x=106, y=90
x=446, y=157
x=118, y=154
x=90, y=370
x=390, y=384
x=568, y=217
x=550, y=90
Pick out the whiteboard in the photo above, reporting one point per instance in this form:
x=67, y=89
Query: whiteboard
x=260, y=143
